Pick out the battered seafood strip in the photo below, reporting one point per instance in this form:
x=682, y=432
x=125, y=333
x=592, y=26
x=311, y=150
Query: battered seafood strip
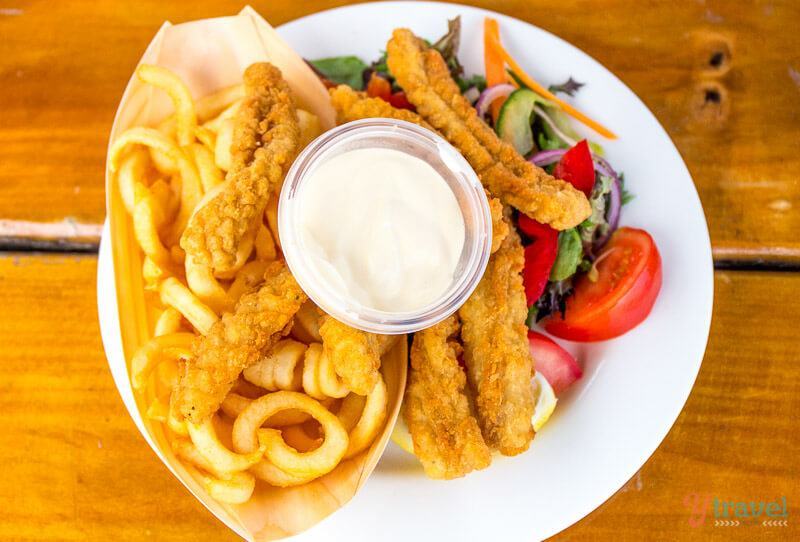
x=355, y=354
x=426, y=80
x=499, y=226
x=447, y=439
x=236, y=341
x=265, y=141
x=496, y=353
x=351, y=105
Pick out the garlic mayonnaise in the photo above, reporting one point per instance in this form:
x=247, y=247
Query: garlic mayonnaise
x=382, y=227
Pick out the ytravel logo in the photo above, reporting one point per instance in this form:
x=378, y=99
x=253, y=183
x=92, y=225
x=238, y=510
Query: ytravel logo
x=705, y=509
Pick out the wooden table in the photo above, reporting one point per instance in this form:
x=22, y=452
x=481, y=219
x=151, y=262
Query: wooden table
x=722, y=77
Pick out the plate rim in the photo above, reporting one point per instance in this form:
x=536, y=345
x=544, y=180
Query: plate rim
x=709, y=278
x=105, y=266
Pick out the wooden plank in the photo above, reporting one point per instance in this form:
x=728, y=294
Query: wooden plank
x=723, y=78
x=736, y=438
x=77, y=468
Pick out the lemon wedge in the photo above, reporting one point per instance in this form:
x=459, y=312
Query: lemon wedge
x=402, y=437
x=545, y=401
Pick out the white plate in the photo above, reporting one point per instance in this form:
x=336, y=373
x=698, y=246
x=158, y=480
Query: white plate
x=633, y=388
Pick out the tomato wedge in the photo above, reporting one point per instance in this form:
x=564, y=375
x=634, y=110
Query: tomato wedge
x=628, y=281
x=378, y=87
x=539, y=256
x=576, y=167
x=556, y=364
x=399, y=100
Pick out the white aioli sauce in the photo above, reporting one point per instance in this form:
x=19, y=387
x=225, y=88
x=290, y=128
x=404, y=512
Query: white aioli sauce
x=382, y=227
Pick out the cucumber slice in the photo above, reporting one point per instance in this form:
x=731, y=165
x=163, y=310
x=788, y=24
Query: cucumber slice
x=514, y=119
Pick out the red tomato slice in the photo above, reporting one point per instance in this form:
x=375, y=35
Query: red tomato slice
x=539, y=256
x=533, y=229
x=628, y=282
x=576, y=167
x=399, y=100
x=378, y=87
x=556, y=364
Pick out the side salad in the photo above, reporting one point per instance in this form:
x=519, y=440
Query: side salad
x=589, y=283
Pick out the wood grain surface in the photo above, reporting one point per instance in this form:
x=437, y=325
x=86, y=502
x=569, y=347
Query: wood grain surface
x=723, y=77
x=77, y=469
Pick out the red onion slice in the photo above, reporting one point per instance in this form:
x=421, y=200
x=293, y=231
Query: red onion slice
x=612, y=213
x=490, y=95
x=602, y=166
x=472, y=94
x=545, y=158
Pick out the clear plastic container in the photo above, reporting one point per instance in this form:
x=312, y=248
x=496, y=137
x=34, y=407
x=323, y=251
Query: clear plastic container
x=448, y=162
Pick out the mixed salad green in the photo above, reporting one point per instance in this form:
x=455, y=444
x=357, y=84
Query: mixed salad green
x=592, y=282
x=538, y=129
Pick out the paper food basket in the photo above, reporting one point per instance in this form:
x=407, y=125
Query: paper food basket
x=209, y=55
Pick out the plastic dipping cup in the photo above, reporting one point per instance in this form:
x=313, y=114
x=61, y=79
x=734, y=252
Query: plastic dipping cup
x=460, y=178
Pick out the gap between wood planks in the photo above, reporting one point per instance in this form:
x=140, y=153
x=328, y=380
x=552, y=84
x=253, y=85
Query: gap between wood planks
x=69, y=236
x=65, y=236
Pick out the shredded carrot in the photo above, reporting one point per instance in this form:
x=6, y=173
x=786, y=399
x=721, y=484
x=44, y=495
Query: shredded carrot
x=493, y=41
x=495, y=66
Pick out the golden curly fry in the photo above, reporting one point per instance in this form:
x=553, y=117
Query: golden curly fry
x=329, y=383
x=447, y=439
x=265, y=141
x=280, y=369
x=185, y=116
x=236, y=341
x=496, y=352
x=370, y=420
x=350, y=410
x=176, y=295
x=204, y=437
x=234, y=404
x=266, y=471
x=236, y=489
x=191, y=188
x=426, y=80
x=248, y=434
x=351, y=105
x=169, y=321
x=150, y=354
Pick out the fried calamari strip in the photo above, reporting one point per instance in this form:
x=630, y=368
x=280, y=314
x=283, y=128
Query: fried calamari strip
x=351, y=105
x=496, y=352
x=426, y=80
x=447, y=439
x=265, y=141
x=236, y=341
x=355, y=354
x=500, y=227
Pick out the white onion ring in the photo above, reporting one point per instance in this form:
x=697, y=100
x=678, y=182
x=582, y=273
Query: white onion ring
x=490, y=95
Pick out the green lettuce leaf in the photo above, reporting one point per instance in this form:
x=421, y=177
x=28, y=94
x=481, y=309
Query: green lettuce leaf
x=570, y=254
x=344, y=70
